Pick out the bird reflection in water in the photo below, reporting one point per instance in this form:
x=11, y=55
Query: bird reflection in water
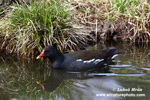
x=57, y=76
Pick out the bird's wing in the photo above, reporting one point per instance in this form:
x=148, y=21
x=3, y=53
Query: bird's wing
x=87, y=55
x=84, y=60
x=80, y=64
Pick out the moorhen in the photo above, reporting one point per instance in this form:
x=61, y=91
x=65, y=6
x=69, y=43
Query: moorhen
x=79, y=60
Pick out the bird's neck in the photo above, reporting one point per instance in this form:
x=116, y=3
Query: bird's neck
x=56, y=61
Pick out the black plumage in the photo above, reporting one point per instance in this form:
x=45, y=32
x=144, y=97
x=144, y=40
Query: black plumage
x=79, y=60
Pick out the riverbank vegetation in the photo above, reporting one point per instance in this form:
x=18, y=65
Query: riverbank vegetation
x=71, y=24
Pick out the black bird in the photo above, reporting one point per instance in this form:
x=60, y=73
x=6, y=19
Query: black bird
x=79, y=60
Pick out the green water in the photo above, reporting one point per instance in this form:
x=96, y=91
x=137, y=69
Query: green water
x=127, y=79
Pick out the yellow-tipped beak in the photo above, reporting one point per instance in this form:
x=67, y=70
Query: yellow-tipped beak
x=38, y=57
x=41, y=55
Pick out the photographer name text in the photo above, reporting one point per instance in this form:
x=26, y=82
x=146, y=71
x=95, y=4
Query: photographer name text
x=128, y=89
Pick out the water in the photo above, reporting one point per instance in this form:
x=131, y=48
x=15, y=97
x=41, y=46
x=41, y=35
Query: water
x=127, y=79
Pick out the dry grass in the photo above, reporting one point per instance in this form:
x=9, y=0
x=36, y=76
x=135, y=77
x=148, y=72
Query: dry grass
x=28, y=28
x=129, y=19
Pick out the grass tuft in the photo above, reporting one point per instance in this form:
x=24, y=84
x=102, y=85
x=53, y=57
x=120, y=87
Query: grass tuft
x=33, y=26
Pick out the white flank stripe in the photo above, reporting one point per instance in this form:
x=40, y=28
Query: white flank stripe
x=98, y=60
x=92, y=60
x=79, y=60
x=88, y=61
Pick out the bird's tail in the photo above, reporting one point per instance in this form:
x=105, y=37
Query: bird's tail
x=113, y=56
